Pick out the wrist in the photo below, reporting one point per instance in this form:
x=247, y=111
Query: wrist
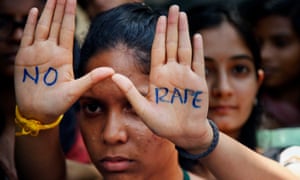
x=32, y=126
x=198, y=154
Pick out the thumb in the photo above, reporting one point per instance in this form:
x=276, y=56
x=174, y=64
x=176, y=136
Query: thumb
x=138, y=101
x=81, y=85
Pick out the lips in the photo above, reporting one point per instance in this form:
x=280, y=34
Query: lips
x=115, y=164
x=222, y=109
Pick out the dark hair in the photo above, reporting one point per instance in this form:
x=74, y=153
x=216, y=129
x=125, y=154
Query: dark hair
x=130, y=24
x=3, y=122
x=83, y=3
x=284, y=8
x=211, y=15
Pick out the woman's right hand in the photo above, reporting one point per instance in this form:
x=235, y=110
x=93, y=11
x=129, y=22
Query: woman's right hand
x=44, y=78
x=176, y=105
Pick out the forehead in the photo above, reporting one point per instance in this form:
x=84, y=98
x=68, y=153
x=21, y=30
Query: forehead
x=223, y=42
x=19, y=6
x=274, y=24
x=123, y=61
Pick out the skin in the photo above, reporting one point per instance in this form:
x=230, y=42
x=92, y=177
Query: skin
x=8, y=50
x=10, y=45
x=232, y=82
x=231, y=78
x=18, y=10
x=280, y=47
x=59, y=44
x=171, y=58
x=120, y=144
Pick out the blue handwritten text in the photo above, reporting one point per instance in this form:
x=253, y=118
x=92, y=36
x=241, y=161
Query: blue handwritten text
x=46, y=79
x=164, y=95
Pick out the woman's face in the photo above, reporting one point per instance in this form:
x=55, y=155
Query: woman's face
x=119, y=143
x=280, y=49
x=231, y=78
x=13, y=15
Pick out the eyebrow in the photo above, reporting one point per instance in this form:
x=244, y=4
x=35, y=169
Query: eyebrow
x=280, y=35
x=83, y=97
x=235, y=57
x=242, y=56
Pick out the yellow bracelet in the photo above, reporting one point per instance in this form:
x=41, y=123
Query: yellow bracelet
x=31, y=126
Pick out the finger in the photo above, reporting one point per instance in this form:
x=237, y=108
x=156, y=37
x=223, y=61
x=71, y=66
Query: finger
x=28, y=35
x=172, y=33
x=158, y=53
x=43, y=27
x=184, y=45
x=81, y=85
x=198, y=56
x=57, y=20
x=66, y=36
x=138, y=102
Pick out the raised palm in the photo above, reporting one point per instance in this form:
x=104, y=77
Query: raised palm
x=44, y=80
x=177, y=102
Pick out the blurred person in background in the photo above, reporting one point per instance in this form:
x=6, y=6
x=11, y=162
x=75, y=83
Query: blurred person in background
x=13, y=16
x=88, y=9
x=120, y=120
x=233, y=73
x=276, y=24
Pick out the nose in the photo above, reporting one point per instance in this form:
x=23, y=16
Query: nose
x=115, y=131
x=221, y=87
x=266, y=52
x=17, y=34
x=18, y=28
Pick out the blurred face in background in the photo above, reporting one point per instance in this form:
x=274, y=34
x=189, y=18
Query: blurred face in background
x=231, y=77
x=13, y=15
x=280, y=50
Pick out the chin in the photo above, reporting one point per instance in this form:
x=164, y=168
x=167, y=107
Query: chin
x=224, y=124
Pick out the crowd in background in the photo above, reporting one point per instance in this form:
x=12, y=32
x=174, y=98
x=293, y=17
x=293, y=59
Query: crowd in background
x=252, y=59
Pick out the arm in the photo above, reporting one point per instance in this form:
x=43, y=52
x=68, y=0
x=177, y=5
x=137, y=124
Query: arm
x=175, y=69
x=46, y=88
x=232, y=160
x=40, y=157
x=78, y=170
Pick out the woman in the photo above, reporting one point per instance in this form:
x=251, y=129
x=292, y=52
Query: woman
x=125, y=122
x=12, y=22
x=277, y=28
x=233, y=72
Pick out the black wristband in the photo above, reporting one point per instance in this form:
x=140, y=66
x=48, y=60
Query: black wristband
x=212, y=146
